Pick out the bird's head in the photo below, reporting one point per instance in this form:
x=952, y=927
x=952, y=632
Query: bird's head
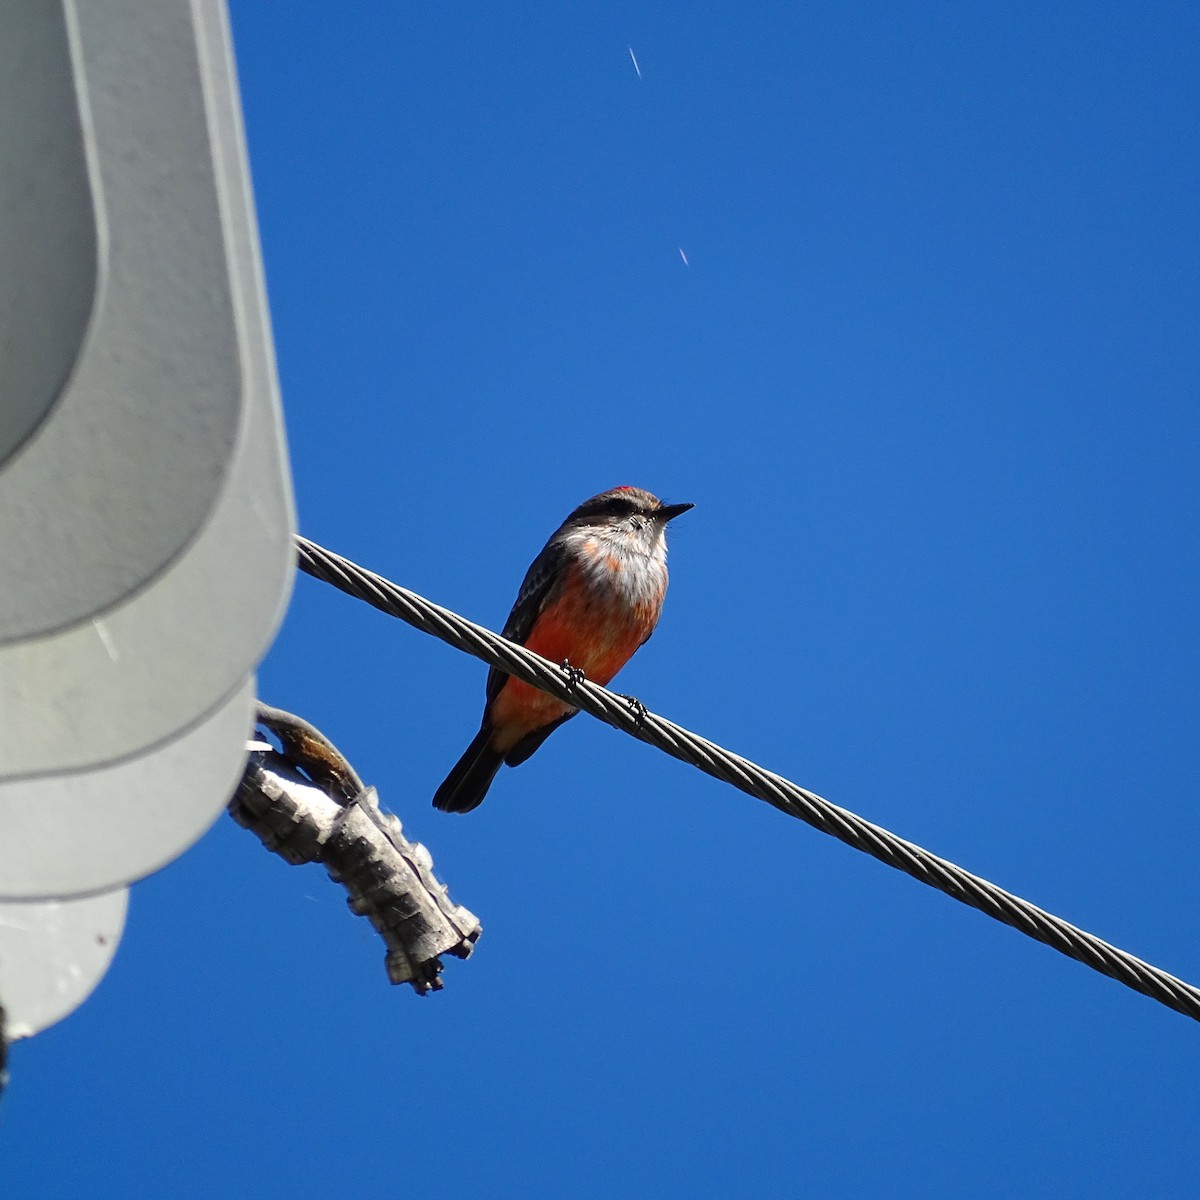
x=629, y=511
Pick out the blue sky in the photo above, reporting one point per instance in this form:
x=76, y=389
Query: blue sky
x=930, y=377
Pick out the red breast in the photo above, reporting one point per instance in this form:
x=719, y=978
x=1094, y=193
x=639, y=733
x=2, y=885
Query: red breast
x=588, y=626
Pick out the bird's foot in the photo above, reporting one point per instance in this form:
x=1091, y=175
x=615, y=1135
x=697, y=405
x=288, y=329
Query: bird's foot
x=639, y=710
x=575, y=675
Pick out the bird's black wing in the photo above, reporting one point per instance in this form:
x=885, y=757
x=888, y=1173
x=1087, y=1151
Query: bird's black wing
x=537, y=588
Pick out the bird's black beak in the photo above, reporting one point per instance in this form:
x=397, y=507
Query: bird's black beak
x=668, y=512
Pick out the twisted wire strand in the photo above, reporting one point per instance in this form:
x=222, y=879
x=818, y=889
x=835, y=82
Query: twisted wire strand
x=750, y=778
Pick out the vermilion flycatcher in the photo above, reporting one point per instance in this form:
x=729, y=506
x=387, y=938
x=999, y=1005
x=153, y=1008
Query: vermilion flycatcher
x=590, y=599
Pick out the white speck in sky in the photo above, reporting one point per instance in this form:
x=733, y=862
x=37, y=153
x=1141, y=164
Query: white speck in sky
x=684, y=257
x=633, y=58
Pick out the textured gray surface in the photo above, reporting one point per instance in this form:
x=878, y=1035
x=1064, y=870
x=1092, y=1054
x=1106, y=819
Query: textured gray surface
x=67, y=835
x=125, y=470
x=53, y=953
x=48, y=273
x=148, y=668
x=147, y=523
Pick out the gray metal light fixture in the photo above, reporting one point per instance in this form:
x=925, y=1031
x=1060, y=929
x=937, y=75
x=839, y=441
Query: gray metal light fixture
x=146, y=518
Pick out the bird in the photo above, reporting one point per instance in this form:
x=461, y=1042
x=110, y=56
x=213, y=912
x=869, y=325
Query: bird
x=588, y=601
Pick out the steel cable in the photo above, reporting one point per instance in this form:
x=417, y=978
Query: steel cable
x=632, y=718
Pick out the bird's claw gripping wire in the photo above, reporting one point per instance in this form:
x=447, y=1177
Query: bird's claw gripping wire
x=639, y=710
x=575, y=675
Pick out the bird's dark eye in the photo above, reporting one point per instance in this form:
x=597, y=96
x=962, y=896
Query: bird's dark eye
x=620, y=506
x=606, y=506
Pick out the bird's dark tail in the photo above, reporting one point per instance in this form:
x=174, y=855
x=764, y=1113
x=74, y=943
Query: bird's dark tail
x=467, y=784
